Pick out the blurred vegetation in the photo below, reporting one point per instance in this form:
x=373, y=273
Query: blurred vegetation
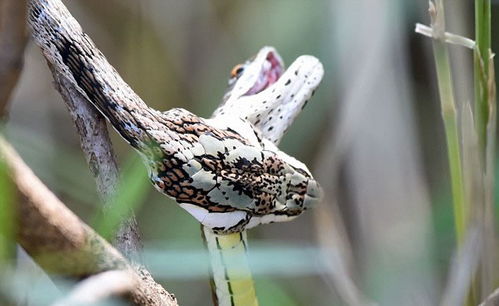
x=179, y=54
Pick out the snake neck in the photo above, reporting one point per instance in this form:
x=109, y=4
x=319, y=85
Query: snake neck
x=232, y=282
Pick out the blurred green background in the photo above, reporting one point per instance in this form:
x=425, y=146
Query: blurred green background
x=372, y=134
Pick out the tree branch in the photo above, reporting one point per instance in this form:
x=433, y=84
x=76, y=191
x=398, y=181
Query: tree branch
x=99, y=154
x=62, y=244
x=13, y=37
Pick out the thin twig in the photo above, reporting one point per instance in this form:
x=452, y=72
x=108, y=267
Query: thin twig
x=61, y=243
x=13, y=37
x=448, y=37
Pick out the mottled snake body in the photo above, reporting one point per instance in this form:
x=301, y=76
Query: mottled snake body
x=221, y=171
x=226, y=171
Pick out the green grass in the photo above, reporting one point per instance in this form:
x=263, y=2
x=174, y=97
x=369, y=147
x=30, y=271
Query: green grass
x=471, y=150
x=449, y=115
x=481, y=67
x=7, y=217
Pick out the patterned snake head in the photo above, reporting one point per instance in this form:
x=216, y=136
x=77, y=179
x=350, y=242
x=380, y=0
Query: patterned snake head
x=225, y=175
x=234, y=176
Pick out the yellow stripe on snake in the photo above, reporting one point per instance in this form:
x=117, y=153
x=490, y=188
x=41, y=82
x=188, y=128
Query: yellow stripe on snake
x=225, y=171
x=232, y=280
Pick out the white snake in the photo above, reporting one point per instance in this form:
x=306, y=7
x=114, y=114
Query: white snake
x=226, y=171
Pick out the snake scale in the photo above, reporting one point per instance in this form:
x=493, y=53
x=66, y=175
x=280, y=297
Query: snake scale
x=226, y=171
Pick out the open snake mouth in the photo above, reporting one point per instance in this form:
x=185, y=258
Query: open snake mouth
x=265, y=80
x=270, y=71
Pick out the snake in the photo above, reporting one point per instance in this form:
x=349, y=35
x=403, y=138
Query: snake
x=269, y=97
x=226, y=171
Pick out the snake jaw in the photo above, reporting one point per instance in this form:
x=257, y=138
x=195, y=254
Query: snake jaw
x=259, y=73
x=271, y=69
x=270, y=103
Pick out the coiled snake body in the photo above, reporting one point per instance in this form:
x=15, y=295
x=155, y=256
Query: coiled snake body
x=226, y=171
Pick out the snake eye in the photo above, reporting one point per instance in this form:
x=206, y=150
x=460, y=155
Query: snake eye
x=236, y=71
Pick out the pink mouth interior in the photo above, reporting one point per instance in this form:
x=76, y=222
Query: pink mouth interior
x=270, y=72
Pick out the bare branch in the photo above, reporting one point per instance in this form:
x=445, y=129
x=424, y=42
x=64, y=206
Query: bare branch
x=13, y=37
x=99, y=154
x=100, y=287
x=61, y=243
